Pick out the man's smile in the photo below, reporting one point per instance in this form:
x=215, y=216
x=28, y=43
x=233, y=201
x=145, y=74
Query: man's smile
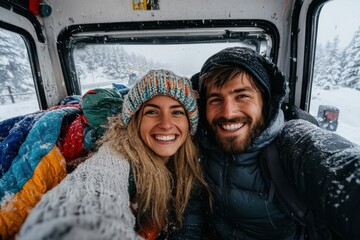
x=232, y=126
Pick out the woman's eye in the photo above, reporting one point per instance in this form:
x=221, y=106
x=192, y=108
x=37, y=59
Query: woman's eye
x=179, y=112
x=150, y=112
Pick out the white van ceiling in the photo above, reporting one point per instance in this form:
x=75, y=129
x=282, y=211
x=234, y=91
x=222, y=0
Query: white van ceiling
x=70, y=12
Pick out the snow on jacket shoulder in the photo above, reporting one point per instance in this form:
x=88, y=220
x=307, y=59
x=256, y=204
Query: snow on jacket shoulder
x=325, y=169
x=90, y=203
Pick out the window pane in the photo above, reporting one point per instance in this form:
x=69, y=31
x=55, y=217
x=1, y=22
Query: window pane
x=17, y=90
x=336, y=81
x=105, y=65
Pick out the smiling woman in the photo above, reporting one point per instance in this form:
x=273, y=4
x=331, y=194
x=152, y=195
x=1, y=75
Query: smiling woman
x=148, y=157
x=79, y=52
x=164, y=125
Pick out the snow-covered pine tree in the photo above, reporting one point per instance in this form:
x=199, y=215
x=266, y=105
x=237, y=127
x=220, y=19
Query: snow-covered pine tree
x=15, y=69
x=329, y=69
x=319, y=65
x=351, y=71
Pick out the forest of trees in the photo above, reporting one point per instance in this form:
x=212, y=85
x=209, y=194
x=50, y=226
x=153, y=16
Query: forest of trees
x=334, y=67
x=15, y=72
x=96, y=63
x=338, y=68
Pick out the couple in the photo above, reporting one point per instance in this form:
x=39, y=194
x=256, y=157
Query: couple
x=148, y=158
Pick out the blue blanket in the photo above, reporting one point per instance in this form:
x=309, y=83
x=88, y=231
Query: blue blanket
x=40, y=140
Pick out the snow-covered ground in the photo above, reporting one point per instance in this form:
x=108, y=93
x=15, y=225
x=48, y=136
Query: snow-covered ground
x=18, y=108
x=345, y=99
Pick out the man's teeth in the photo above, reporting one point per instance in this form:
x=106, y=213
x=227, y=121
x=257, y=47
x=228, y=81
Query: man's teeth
x=165, y=138
x=232, y=127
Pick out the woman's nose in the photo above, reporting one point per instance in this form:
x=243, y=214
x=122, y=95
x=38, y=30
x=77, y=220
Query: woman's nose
x=165, y=121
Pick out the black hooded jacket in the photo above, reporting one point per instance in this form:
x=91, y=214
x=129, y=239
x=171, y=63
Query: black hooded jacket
x=322, y=167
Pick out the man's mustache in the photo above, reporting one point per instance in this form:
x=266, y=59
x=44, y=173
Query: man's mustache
x=223, y=120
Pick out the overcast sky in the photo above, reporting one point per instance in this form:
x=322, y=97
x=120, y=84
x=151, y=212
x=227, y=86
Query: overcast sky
x=339, y=17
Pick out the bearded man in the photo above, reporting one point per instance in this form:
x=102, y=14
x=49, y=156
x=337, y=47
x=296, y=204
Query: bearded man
x=241, y=94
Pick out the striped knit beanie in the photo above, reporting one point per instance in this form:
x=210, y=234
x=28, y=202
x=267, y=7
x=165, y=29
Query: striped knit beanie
x=161, y=82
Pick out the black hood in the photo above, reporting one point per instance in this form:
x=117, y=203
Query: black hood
x=266, y=73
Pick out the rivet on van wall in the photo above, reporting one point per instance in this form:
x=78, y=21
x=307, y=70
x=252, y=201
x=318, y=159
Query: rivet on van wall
x=45, y=10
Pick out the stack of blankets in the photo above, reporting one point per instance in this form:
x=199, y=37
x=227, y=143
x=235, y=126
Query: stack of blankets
x=38, y=150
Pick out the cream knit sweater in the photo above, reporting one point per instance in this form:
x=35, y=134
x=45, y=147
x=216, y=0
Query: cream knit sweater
x=90, y=203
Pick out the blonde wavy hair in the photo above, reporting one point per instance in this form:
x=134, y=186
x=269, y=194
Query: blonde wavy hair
x=158, y=189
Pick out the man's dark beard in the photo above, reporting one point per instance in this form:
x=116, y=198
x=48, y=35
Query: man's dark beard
x=229, y=144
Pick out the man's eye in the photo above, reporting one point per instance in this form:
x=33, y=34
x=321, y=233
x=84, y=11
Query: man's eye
x=241, y=96
x=214, y=100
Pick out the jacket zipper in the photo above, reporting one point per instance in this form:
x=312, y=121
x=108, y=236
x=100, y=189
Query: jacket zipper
x=225, y=193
